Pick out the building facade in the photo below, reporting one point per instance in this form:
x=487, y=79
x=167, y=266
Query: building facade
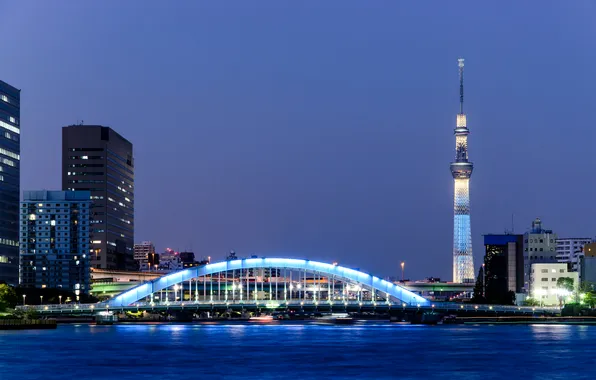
x=503, y=266
x=54, y=247
x=99, y=160
x=539, y=247
x=588, y=266
x=170, y=261
x=461, y=170
x=543, y=283
x=570, y=251
x=10, y=167
x=145, y=256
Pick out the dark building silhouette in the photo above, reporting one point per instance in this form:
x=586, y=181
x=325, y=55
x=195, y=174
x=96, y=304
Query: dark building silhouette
x=10, y=168
x=99, y=160
x=503, y=266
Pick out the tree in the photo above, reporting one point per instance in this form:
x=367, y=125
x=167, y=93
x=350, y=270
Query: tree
x=590, y=299
x=531, y=302
x=8, y=297
x=565, y=283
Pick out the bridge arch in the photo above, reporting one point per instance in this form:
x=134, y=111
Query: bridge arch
x=373, y=283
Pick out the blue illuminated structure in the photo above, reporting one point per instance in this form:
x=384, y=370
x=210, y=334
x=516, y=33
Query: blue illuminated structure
x=325, y=273
x=461, y=169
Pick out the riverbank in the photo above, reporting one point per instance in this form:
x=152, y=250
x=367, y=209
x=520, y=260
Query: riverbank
x=523, y=321
x=27, y=324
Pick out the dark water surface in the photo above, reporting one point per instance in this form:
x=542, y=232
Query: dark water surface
x=249, y=351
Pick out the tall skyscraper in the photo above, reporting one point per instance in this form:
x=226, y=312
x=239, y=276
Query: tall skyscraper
x=55, y=240
x=10, y=167
x=99, y=160
x=461, y=169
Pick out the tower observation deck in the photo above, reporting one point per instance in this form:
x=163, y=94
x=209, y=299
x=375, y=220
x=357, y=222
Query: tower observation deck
x=461, y=169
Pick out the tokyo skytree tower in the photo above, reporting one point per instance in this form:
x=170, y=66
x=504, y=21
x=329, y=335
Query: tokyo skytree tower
x=461, y=169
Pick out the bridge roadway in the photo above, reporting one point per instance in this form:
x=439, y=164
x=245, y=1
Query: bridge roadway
x=448, y=308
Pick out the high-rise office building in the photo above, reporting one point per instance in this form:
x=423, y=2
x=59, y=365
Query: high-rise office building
x=539, y=247
x=55, y=240
x=99, y=160
x=10, y=164
x=461, y=169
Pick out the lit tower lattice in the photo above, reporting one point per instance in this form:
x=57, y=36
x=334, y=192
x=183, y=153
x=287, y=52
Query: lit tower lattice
x=461, y=169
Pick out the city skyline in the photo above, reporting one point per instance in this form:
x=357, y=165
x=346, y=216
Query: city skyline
x=275, y=157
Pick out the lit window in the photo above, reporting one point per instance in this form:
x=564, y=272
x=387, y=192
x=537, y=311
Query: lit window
x=9, y=127
x=5, y=98
x=84, y=157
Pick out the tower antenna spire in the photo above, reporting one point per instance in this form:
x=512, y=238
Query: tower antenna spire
x=461, y=85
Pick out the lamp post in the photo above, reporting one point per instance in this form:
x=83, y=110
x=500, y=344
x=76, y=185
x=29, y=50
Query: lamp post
x=41, y=298
x=403, y=265
x=24, y=296
x=60, y=299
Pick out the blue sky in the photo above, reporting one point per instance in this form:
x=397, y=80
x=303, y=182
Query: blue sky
x=315, y=129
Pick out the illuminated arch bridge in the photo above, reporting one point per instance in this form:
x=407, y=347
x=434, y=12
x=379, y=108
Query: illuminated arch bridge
x=268, y=280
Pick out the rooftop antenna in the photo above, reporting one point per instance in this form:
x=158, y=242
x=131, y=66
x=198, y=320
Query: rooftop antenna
x=512, y=224
x=461, y=85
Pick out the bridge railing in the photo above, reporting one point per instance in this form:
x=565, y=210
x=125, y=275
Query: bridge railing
x=439, y=306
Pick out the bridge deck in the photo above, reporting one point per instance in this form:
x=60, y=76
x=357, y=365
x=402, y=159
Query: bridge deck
x=442, y=307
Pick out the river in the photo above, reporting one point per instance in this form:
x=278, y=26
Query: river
x=299, y=350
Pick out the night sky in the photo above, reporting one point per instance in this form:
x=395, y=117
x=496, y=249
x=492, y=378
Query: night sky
x=318, y=129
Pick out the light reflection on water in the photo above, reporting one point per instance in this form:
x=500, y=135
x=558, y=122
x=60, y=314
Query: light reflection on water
x=300, y=350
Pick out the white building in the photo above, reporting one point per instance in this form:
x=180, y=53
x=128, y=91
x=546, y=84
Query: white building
x=570, y=250
x=543, y=282
x=144, y=255
x=170, y=261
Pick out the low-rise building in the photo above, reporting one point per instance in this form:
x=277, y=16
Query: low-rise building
x=588, y=266
x=543, y=283
x=145, y=256
x=170, y=261
x=570, y=251
x=539, y=247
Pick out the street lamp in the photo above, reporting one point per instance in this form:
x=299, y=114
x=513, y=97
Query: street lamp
x=41, y=298
x=24, y=296
x=60, y=299
x=403, y=265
